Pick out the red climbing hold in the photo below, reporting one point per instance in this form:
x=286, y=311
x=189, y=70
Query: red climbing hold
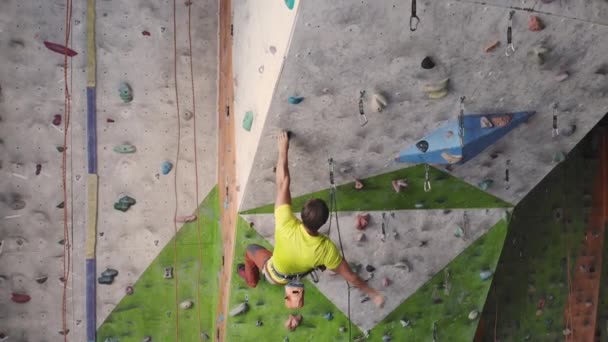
x=146, y=33
x=20, y=298
x=362, y=221
x=57, y=119
x=534, y=24
x=60, y=49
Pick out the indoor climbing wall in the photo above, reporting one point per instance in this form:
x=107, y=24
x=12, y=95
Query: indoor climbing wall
x=148, y=183
x=358, y=86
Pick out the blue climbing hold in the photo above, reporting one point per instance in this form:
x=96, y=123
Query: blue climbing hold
x=485, y=275
x=295, y=99
x=290, y=3
x=329, y=316
x=166, y=167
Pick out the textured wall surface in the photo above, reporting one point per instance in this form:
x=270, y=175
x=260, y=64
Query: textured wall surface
x=31, y=78
x=340, y=48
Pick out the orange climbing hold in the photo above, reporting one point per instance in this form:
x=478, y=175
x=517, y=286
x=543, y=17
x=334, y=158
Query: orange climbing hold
x=534, y=24
x=293, y=321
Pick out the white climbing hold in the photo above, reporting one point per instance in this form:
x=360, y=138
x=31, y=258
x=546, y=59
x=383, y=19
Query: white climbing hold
x=450, y=158
x=485, y=122
x=473, y=315
x=239, y=309
x=186, y=304
x=379, y=102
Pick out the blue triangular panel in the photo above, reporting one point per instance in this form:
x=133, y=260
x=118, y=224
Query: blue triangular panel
x=445, y=141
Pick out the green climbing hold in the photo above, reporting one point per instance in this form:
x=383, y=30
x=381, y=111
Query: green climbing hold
x=248, y=121
x=559, y=157
x=459, y=232
x=124, y=148
x=124, y=203
x=126, y=93
x=290, y=3
x=485, y=184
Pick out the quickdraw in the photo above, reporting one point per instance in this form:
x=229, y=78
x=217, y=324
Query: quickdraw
x=510, y=47
x=427, y=182
x=555, y=131
x=414, y=20
x=461, y=121
x=362, y=117
x=507, y=173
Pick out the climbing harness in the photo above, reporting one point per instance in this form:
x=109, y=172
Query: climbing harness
x=555, y=131
x=510, y=47
x=461, y=121
x=414, y=20
x=333, y=211
x=507, y=173
x=362, y=117
x=427, y=182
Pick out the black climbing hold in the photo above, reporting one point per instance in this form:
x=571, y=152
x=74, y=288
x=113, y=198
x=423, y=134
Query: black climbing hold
x=290, y=135
x=427, y=63
x=60, y=149
x=41, y=280
x=370, y=268
x=105, y=280
x=109, y=272
x=422, y=145
x=60, y=205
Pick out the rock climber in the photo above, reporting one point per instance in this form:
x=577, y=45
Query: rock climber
x=299, y=247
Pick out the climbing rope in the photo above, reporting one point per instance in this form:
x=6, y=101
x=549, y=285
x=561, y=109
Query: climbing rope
x=333, y=210
x=176, y=171
x=67, y=256
x=510, y=47
x=198, y=218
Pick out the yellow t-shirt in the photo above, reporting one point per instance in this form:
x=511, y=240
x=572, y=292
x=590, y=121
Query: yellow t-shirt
x=296, y=251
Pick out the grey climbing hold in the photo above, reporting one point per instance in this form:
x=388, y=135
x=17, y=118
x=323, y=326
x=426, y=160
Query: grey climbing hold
x=473, y=315
x=125, y=148
x=328, y=316
x=427, y=63
x=168, y=272
x=239, y=309
x=559, y=157
x=248, y=121
x=187, y=115
x=125, y=92
x=166, y=167
x=185, y=305
x=295, y=99
x=485, y=275
x=109, y=272
x=124, y=203
x=485, y=184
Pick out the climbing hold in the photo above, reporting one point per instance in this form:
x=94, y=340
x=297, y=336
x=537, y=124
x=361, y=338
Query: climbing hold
x=358, y=184
x=108, y=120
x=538, y=54
x=562, y=76
x=534, y=24
x=60, y=149
x=60, y=49
x=41, y=279
x=485, y=184
x=501, y=120
x=109, y=272
x=38, y=169
x=146, y=33
x=539, y=313
x=473, y=315
x=20, y=298
x=386, y=282
x=328, y=316
x=183, y=219
x=419, y=205
x=124, y=203
x=379, y=102
x=405, y=322
x=370, y=268
x=239, y=309
x=362, y=221
x=290, y=3
x=295, y=99
x=125, y=92
x=568, y=130
x=399, y=184
x=436, y=87
x=485, y=122
x=248, y=121
x=422, y=145
x=166, y=167
x=105, y=280
x=566, y=332
x=360, y=237
x=355, y=267
x=168, y=272
x=205, y=336
x=451, y=158
x=485, y=275
x=493, y=45
x=459, y=232
x=559, y=157
x=60, y=205
x=436, y=95
x=342, y=329
x=427, y=63
x=64, y=332
x=259, y=323
x=124, y=148
x=111, y=339
x=57, y=119
x=17, y=204
x=129, y=290
x=187, y=115
x=293, y=321
x=185, y=305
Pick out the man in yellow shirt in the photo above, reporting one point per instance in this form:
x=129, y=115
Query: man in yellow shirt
x=299, y=247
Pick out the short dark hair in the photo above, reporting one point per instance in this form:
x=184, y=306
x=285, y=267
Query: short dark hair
x=314, y=214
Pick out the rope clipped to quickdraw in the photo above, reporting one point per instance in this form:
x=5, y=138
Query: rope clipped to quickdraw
x=362, y=117
x=414, y=20
x=427, y=181
x=555, y=131
x=461, y=121
x=510, y=47
x=333, y=211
